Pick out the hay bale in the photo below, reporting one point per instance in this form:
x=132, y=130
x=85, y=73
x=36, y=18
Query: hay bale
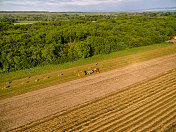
x=75, y=71
x=36, y=80
x=8, y=82
x=61, y=74
x=8, y=86
x=28, y=77
x=46, y=77
x=81, y=74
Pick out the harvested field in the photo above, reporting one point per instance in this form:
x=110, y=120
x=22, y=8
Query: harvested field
x=145, y=106
x=133, y=105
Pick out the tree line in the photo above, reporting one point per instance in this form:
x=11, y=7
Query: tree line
x=15, y=16
x=42, y=43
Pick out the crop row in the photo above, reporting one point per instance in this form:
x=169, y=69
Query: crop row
x=129, y=108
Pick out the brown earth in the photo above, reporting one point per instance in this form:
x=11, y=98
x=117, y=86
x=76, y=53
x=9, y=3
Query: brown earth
x=148, y=105
x=26, y=108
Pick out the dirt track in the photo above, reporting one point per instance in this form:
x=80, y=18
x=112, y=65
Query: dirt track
x=23, y=109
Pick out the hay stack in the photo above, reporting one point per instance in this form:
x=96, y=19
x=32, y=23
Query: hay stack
x=36, y=80
x=8, y=82
x=5, y=87
x=46, y=77
x=61, y=74
x=81, y=74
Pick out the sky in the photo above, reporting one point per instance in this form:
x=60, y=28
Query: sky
x=84, y=5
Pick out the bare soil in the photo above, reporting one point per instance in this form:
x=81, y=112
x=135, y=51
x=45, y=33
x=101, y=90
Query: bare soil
x=23, y=109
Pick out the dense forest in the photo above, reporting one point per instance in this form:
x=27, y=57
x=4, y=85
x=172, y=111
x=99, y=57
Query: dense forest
x=54, y=42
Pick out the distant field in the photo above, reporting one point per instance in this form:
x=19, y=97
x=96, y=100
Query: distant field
x=145, y=106
x=62, y=13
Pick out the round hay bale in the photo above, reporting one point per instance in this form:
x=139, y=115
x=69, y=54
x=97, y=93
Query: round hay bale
x=46, y=77
x=8, y=86
x=61, y=74
x=81, y=74
x=78, y=74
x=75, y=71
x=28, y=77
x=36, y=80
x=8, y=82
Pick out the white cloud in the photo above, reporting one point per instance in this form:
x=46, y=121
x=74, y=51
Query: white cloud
x=20, y=2
x=84, y=5
x=83, y=2
x=62, y=2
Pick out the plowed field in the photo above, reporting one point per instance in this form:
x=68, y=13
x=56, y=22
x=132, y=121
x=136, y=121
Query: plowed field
x=146, y=106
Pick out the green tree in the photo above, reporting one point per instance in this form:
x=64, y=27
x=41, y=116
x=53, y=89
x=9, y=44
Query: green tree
x=82, y=49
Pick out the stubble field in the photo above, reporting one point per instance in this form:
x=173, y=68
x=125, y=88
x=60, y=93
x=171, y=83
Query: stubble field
x=145, y=106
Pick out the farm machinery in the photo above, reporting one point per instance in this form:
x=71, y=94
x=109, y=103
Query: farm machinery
x=83, y=73
x=91, y=71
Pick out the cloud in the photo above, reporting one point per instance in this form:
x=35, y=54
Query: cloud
x=19, y=2
x=84, y=5
x=87, y=5
x=84, y=2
